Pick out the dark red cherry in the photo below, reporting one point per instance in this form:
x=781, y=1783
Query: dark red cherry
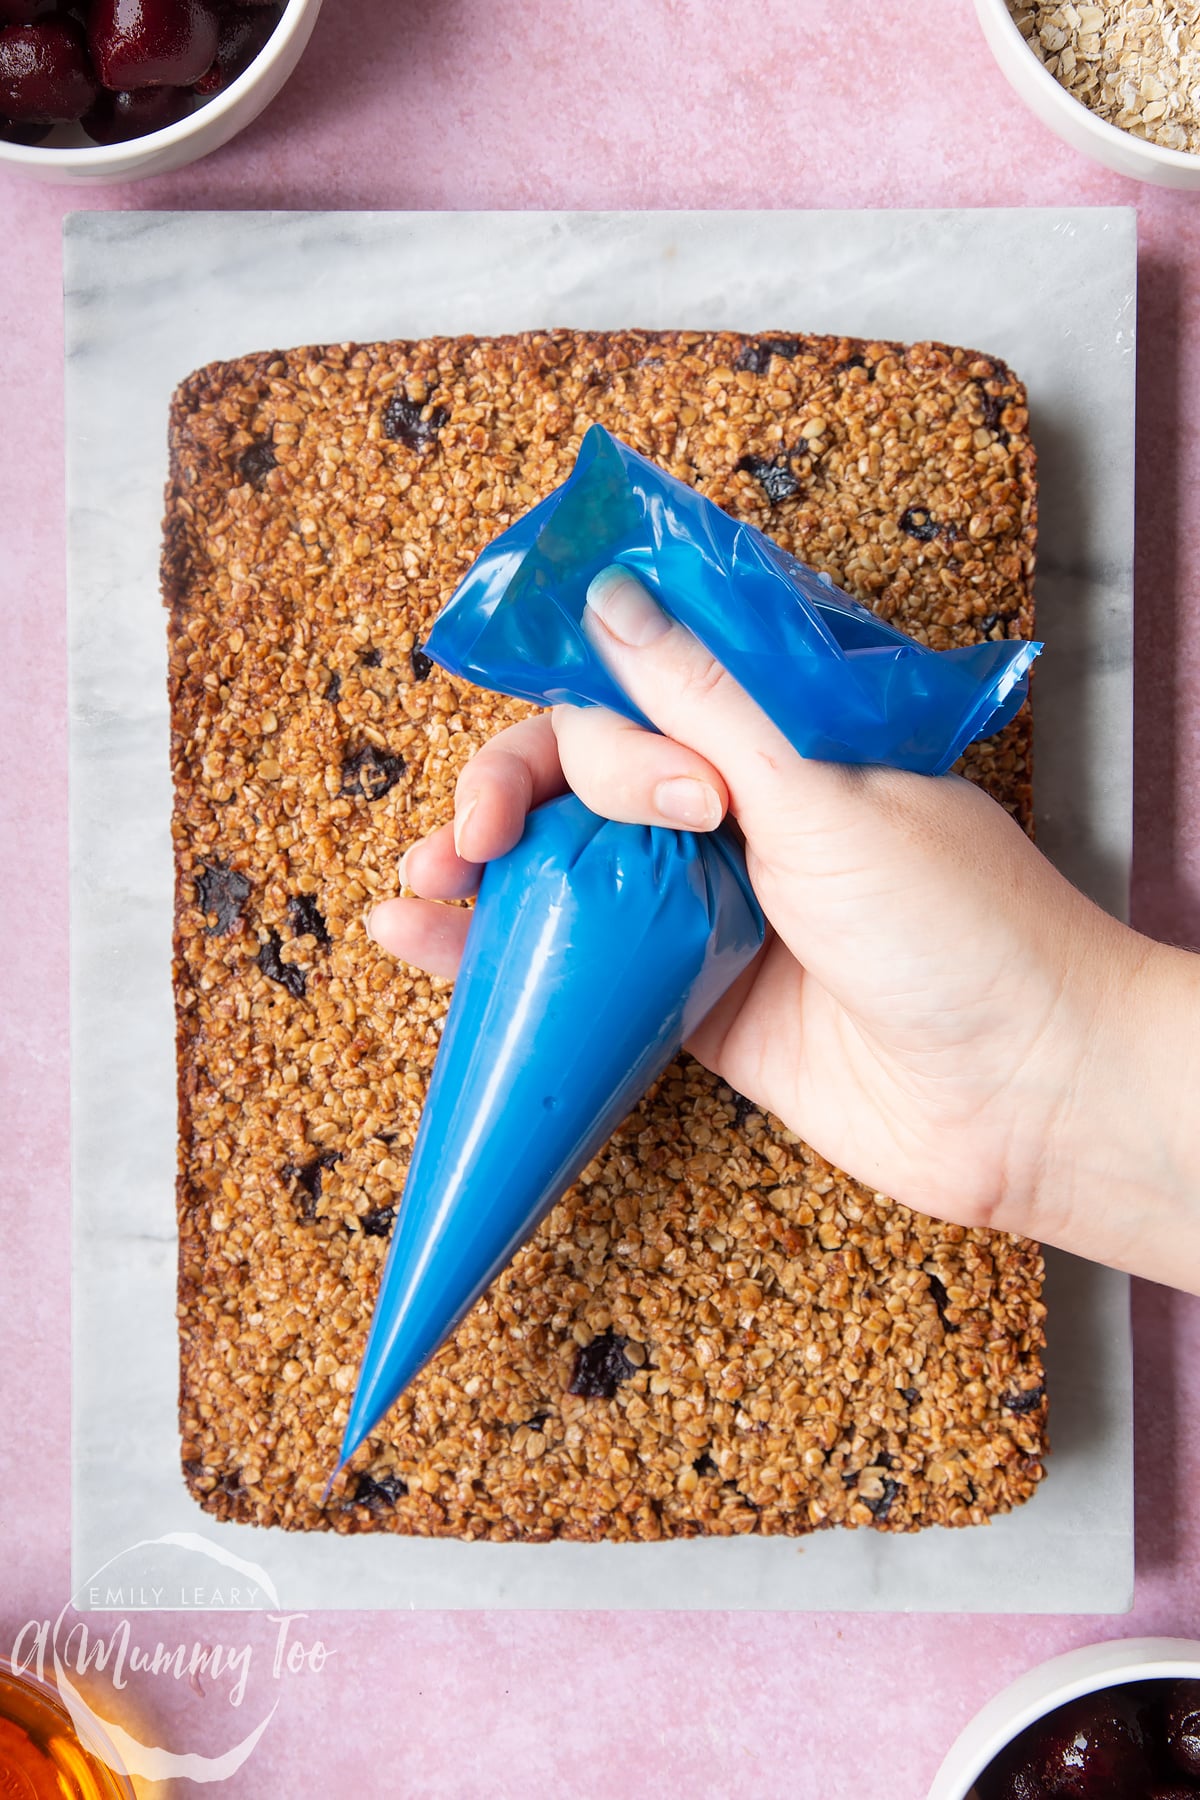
x=24, y=12
x=44, y=72
x=1181, y=1725
x=11, y=133
x=1094, y=1748
x=151, y=43
x=116, y=117
x=1003, y=1780
x=243, y=32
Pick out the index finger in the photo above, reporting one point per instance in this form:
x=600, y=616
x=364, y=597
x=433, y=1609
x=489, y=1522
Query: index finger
x=517, y=770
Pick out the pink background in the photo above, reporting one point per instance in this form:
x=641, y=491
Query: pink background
x=662, y=103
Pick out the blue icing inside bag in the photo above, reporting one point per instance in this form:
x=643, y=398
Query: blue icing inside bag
x=594, y=951
x=841, y=684
x=595, y=948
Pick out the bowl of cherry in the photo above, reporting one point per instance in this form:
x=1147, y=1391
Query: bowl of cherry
x=108, y=90
x=1116, y=1721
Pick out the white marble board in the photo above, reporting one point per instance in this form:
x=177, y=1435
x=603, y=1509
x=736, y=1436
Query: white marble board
x=151, y=296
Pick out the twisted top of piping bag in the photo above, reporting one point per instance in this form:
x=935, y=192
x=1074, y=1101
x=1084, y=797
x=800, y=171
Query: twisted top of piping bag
x=595, y=948
x=841, y=685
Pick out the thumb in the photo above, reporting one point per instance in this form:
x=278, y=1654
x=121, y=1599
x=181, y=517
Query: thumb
x=689, y=696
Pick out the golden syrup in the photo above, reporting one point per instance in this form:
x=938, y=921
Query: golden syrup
x=41, y=1757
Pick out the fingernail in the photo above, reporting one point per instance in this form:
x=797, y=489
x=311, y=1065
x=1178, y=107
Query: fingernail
x=460, y=821
x=689, y=803
x=367, y=923
x=403, y=878
x=625, y=609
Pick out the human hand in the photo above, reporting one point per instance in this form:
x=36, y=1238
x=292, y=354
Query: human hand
x=936, y=1009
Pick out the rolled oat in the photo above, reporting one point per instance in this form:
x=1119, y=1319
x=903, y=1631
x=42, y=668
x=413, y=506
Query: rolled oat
x=1134, y=63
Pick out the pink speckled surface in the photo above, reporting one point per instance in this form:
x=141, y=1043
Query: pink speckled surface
x=671, y=103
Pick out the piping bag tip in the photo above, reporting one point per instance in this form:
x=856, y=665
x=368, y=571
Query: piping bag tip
x=387, y=1368
x=328, y=1488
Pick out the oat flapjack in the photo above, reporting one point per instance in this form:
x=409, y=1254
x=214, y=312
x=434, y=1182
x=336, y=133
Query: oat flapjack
x=714, y=1332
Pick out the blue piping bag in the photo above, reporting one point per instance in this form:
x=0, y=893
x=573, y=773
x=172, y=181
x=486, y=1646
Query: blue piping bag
x=595, y=948
x=594, y=951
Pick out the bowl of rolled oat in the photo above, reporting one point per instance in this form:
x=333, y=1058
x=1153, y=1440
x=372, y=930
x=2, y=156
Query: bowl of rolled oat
x=1119, y=80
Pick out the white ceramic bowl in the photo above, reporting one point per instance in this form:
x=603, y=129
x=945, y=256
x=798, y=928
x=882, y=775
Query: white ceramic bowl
x=1070, y=118
x=69, y=157
x=1051, y=1684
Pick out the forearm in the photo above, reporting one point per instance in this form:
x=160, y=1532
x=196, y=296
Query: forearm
x=1120, y=1182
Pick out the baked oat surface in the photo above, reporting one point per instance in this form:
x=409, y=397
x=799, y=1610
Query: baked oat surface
x=714, y=1331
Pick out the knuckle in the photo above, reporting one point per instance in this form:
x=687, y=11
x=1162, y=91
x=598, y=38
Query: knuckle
x=567, y=723
x=701, y=680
